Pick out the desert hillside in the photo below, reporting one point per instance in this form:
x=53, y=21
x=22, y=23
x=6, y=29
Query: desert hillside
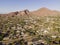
x=40, y=27
x=45, y=11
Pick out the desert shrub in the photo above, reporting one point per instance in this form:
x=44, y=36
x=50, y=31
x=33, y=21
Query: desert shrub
x=1, y=36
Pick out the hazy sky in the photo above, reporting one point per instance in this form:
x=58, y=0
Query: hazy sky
x=17, y=5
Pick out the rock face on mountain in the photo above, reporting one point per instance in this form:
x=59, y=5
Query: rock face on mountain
x=25, y=12
x=45, y=11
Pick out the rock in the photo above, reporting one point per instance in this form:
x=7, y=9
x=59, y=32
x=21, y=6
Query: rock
x=6, y=38
x=25, y=12
x=53, y=36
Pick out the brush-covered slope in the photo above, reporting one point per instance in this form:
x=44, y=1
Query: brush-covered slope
x=24, y=28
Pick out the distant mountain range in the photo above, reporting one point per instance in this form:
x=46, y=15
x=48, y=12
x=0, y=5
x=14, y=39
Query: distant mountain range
x=41, y=12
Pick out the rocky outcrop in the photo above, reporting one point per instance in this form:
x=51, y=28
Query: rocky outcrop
x=25, y=12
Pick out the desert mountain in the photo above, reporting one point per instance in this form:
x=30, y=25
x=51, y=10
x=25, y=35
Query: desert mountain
x=24, y=12
x=41, y=12
x=45, y=11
